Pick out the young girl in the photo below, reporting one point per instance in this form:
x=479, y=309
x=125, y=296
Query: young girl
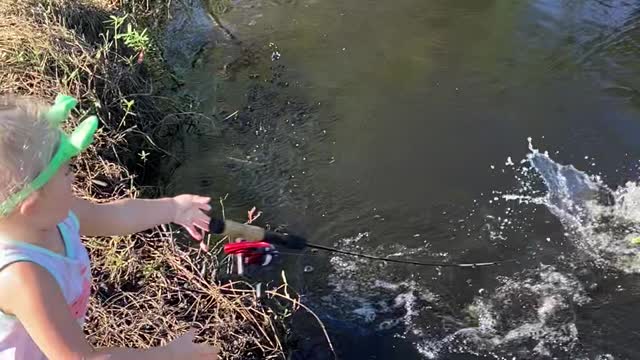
x=44, y=268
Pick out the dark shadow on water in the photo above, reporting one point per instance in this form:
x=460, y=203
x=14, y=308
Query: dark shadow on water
x=351, y=342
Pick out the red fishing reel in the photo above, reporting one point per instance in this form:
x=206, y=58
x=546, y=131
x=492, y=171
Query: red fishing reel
x=251, y=252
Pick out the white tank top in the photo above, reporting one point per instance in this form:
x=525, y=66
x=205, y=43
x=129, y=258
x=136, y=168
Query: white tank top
x=72, y=273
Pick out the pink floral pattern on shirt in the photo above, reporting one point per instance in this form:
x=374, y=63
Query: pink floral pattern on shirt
x=80, y=305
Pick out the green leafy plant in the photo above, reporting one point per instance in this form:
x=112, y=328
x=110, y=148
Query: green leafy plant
x=116, y=23
x=136, y=40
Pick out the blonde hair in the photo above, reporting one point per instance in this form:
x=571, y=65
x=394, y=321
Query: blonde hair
x=27, y=142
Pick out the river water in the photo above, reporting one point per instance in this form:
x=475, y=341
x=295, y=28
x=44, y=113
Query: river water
x=400, y=128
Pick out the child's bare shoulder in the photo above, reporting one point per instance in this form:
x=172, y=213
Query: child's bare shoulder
x=21, y=281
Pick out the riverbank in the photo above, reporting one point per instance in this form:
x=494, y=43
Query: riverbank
x=148, y=287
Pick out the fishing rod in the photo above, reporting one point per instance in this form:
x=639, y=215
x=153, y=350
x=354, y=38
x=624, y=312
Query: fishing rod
x=258, y=242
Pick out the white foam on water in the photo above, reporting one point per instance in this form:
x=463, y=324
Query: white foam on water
x=533, y=306
x=385, y=285
x=399, y=250
x=582, y=204
x=429, y=349
x=357, y=282
x=367, y=312
x=407, y=301
x=509, y=161
x=355, y=239
x=364, y=293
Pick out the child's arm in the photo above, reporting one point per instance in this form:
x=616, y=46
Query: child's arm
x=128, y=216
x=30, y=293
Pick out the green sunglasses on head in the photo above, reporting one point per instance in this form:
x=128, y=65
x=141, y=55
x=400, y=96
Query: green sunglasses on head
x=70, y=146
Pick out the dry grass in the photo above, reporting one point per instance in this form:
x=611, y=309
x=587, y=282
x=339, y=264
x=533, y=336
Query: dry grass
x=148, y=288
x=155, y=289
x=38, y=60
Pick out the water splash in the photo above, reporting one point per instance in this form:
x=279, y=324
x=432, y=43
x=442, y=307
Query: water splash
x=599, y=221
x=569, y=191
x=529, y=313
x=363, y=293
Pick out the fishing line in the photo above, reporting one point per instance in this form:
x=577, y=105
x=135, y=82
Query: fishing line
x=400, y=261
x=405, y=261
